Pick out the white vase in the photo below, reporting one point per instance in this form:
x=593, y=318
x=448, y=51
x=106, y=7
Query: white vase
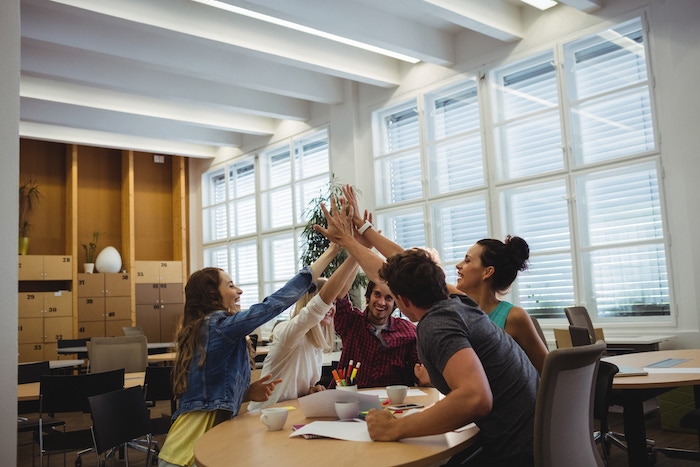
x=109, y=260
x=89, y=268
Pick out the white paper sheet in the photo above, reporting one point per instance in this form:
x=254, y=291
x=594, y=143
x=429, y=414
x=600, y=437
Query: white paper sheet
x=381, y=393
x=322, y=404
x=651, y=370
x=354, y=430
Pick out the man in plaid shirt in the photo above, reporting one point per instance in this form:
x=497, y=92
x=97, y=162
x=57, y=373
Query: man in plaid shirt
x=384, y=346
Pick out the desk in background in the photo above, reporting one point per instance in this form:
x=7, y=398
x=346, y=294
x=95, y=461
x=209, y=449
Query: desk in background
x=153, y=348
x=258, y=446
x=30, y=391
x=634, y=390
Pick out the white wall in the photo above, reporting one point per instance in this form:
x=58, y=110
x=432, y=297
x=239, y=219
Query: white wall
x=676, y=61
x=9, y=176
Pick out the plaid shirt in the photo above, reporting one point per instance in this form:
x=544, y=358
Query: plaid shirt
x=381, y=366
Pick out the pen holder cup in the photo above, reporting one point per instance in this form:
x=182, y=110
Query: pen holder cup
x=347, y=410
x=352, y=388
x=274, y=417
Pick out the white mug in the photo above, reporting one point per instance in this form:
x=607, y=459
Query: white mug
x=347, y=410
x=352, y=388
x=397, y=393
x=274, y=417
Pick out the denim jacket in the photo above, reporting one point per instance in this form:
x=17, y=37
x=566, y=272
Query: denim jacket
x=224, y=378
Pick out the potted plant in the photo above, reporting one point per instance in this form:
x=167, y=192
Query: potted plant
x=316, y=243
x=29, y=194
x=90, y=249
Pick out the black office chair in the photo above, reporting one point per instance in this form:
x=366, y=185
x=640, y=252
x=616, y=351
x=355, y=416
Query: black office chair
x=69, y=393
x=64, y=343
x=118, y=418
x=601, y=407
x=579, y=336
x=158, y=386
x=32, y=373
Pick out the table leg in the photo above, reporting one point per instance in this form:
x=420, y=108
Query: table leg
x=635, y=429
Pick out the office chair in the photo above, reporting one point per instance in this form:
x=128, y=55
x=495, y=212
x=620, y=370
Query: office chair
x=133, y=331
x=118, y=418
x=69, y=393
x=158, y=386
x=579, y=336
x=111, y=353
x=601, y=407
x=540, y=333
x=32, y=373
x=564, y=408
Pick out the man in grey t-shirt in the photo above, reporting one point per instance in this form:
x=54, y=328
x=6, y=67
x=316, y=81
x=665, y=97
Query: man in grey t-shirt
x=483, y=372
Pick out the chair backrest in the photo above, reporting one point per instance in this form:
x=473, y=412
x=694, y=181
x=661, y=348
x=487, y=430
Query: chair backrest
x=564, y=408
x=158, y=385
x=603, y=390
x=118, y=417
x=63, y=343
x=133, y=331
x=111, y=353
x=32, y=372
x=540, y=333
x=579, y=336
x=578, y=316
x=69, y=393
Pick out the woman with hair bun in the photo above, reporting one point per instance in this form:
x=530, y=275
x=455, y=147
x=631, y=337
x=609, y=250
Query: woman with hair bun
x=488, y=270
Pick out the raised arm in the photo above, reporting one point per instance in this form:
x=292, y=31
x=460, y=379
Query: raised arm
x=338, y=281
x=340, y=231
x=322, y=262
x=383, y=244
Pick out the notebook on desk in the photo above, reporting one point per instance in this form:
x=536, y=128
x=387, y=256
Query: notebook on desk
x=628, y=370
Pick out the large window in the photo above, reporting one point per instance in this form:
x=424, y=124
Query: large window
x=253, y=213
x=558, y=148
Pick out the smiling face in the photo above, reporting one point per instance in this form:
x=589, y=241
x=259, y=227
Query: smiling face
x=471, y=273
x=230, y=294
x=328, y=318
x=380, y=304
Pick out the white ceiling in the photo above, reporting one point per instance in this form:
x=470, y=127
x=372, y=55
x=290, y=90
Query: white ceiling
x=180, y=77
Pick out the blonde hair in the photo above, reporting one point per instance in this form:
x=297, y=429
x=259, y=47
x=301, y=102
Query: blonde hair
x=321, y=337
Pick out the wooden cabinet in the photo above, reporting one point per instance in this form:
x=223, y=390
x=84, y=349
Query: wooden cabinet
x=104, y=304
x=45, y=305
x=136, y=202
x=159, y=294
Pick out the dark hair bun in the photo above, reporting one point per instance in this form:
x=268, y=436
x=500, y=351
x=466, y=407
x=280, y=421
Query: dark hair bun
x=519, y=251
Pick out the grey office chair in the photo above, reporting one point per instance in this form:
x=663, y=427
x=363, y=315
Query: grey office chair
x=111, y=353
x=564, y=408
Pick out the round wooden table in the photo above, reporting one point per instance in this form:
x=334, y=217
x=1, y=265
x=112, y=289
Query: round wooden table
x=246, y=438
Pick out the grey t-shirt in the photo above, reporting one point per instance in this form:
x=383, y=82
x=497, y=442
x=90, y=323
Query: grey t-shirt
x=457, y=323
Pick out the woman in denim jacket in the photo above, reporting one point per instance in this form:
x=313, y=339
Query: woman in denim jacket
x=211, y=377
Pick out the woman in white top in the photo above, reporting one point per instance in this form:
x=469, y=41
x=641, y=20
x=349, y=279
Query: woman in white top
x=298, y=344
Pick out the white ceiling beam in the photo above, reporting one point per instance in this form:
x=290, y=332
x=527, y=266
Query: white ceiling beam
x=368, y=25
x=172, y=51
x=123, y=123
x=276, y=43
x=103, y=139
x=584, y=5
x=496, y=18
x=84, y=96
x=60, y=64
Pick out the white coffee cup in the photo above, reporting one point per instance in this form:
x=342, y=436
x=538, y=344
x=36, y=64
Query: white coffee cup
x=397, y=393
x=347, y=410
x=274, y=417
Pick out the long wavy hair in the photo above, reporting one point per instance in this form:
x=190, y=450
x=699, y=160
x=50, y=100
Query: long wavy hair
x=322, y=337
x=202, y=297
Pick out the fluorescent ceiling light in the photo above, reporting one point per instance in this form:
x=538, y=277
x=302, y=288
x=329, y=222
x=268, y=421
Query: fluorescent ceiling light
x=305, y=29
x=541, y=4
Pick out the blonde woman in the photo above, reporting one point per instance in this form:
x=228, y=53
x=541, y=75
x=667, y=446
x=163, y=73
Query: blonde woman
x=298, y=344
